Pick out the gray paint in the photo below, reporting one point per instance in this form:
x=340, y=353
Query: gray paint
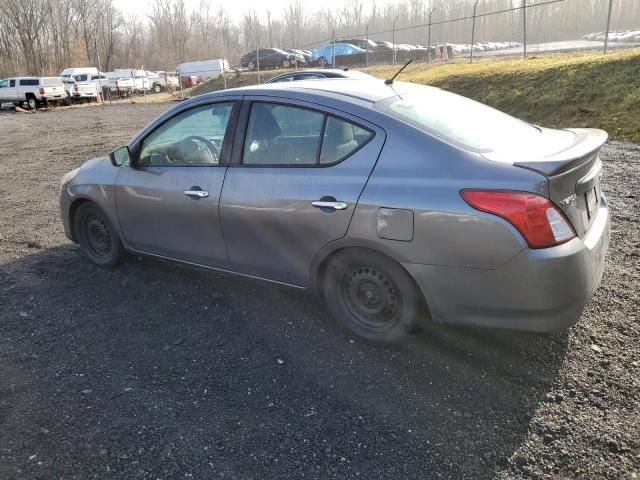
x=403, y=196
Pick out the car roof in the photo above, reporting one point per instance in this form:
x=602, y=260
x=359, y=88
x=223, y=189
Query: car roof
x=368, y=90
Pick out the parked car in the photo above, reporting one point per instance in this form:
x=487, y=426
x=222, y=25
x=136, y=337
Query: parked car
x=33, y=91
x=203, y=70
x=161, y=81
x=346, y=54
x=99, y=80
x=305, y=53
x=120, y=85
x=360, y=43
x=311, y=74
x=270, y=58
x=79, y=91
x=393, y=202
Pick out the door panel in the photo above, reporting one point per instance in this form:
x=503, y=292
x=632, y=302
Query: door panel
x=167, y=202
x=270, y=225
x=157, y=217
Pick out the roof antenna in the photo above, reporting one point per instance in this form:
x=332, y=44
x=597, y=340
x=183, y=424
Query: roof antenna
x=389, y=81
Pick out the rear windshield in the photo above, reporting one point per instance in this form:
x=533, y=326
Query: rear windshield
x=459, y=120
x=51, y=82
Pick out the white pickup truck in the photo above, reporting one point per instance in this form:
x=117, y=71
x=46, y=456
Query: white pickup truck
x=79, y=90
x=34, y=91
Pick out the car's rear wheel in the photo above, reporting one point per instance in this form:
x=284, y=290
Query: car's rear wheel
x=371, y=295
x=96, y=236
x=286, y=63
x=322, y=62
x=157, y=88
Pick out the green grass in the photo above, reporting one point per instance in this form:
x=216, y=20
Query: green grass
x=556, y=91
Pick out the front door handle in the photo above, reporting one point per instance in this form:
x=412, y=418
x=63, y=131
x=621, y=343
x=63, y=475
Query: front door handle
x=334, y=205
x=196, y=193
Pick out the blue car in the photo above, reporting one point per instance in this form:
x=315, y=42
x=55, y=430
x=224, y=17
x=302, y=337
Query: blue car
x=346, y=54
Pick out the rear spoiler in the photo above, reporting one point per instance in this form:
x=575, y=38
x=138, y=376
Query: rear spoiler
x=587, y=144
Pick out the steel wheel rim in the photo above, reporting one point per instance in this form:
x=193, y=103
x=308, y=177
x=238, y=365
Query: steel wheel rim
x=371, y=297
x=98, y=236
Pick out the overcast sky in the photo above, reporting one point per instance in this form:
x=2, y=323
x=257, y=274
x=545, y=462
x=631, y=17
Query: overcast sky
x=237, y=7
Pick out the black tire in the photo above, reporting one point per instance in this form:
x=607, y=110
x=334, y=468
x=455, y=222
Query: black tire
x=251, y=66
x=32, y=103
x=286, y=63
x=322, y=62
x=157, y=88
x=96, y=236
x=371, y=295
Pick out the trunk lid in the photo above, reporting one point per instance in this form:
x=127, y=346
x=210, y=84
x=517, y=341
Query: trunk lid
x=574, y=174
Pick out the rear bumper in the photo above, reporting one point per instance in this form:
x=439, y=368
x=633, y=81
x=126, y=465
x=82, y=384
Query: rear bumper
x=538, y=290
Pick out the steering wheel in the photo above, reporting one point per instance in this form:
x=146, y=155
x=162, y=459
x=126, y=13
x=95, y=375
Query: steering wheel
x=214, y=152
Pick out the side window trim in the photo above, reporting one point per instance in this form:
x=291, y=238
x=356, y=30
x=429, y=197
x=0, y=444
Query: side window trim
x=243, y=122
x=227, y=142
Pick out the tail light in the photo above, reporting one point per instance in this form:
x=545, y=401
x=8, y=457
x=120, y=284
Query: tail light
x=539, y=221
x=75, y=88
x=117, y=83
x=41, y=90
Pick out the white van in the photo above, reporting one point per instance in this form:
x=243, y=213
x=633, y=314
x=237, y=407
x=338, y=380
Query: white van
x=70, y=72
x=204, y=70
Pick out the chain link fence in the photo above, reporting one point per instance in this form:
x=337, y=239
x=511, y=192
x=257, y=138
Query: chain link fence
x=526, y=28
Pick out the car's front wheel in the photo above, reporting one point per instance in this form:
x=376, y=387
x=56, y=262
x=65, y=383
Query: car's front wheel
x=286, y=63
x=96, y=236
x=251, y=66
x=322, y=62
x=371, y=295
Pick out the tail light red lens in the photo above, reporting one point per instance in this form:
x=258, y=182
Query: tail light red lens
x=41, y=90
x=75, y=88
x=539, y=221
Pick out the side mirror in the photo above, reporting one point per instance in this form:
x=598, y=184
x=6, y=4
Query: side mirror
x=120, y=157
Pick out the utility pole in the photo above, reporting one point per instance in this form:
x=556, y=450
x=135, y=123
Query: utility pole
x=429, y=36
x=333, y=53
x=366, y=58
x=606, y=37
x=258, y=64
x=394, y=39
x=524, y=26
x=473, y=30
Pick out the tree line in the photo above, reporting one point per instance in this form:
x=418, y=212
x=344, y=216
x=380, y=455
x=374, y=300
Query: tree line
x=45, y=36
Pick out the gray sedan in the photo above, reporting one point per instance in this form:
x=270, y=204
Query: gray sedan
x=395, y=202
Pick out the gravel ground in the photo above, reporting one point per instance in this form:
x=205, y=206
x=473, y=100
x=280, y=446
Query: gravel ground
x=156, y=371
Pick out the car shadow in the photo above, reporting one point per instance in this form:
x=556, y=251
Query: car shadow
x=156, y=368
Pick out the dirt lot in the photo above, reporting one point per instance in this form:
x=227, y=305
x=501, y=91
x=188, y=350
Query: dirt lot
x=155, y=371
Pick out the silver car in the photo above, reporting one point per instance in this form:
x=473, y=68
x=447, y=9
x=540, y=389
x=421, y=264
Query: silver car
x=395, y=202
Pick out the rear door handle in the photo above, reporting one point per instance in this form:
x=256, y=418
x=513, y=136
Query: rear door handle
x=334, y=205
x=196, y=193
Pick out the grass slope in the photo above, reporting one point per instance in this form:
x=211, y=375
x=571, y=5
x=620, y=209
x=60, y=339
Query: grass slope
x=555, y=91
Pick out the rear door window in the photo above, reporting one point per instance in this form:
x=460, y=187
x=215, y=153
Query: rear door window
x=287, y=135
x=282, y=135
